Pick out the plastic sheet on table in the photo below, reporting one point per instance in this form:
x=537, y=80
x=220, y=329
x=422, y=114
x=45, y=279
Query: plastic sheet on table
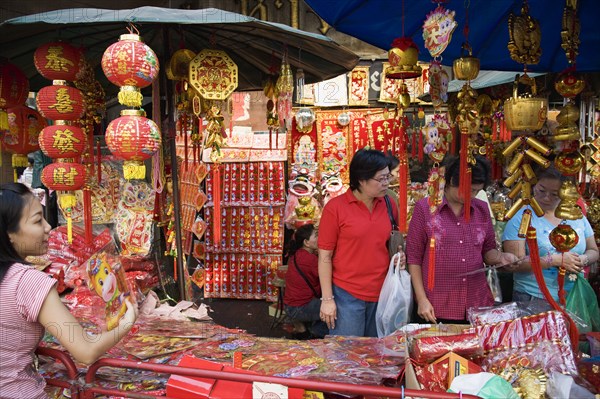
x=427, y=349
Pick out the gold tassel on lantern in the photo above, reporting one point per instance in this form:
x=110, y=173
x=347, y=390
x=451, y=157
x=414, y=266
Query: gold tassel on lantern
x=134, y=170
x=67, y=201
x=3, y=120
x=130, y=96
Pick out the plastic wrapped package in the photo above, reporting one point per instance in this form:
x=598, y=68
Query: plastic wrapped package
x=494, y=314
x=427, y=349
x=560, y=386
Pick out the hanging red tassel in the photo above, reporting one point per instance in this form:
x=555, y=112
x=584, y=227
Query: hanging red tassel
x=216, y=193
x=87, y=215
x=403, y=193
x=420, y=149
x=99, y=168
x=536, y=266
x=413, y=147
x=184, y=129
x=467, y=201
x=431, y=274
x=562, y=294
x=454, y=139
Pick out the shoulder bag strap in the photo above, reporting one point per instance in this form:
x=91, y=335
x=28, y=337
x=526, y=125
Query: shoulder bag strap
x=388, y=203
x=305, y=278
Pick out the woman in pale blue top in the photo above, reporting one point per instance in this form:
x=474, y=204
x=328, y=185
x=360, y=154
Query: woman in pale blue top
x=583, y=254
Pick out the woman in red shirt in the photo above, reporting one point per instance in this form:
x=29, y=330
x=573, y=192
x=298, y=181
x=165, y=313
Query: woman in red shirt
x=30, y=302
x=302, y=288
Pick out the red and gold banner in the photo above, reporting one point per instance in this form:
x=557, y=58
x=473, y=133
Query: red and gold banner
x=334, y=148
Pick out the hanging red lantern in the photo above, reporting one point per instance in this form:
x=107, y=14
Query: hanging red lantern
x=563, y=238
x=133, y=138
x=62, y=141
x=64, y=176
x=58, y=61
x=132, y=65
x=60, y=102
x=21, y=137
x=14, y=88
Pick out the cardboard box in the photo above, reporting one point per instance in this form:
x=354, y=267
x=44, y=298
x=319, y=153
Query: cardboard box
x=182, y=387
x=457, y=365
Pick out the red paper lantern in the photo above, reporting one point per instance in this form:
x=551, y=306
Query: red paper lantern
x=62, y=141
x=58, y=61
x=14, y=88
x=133, y=138
x=64, y=176
x=21, y=137
x=130, y=64
x=60, y=102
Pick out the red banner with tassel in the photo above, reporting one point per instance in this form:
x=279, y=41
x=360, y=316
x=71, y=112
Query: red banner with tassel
x=216, y=193
x=87, y=215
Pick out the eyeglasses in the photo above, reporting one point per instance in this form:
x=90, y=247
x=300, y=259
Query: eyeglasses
x=540, y=192
x=383, y=179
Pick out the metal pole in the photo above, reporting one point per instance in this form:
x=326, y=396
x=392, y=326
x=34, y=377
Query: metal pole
x=174, y=172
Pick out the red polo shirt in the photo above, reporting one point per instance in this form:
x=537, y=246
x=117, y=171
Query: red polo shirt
x=358, y=238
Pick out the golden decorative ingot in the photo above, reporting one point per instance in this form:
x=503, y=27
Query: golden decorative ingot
x=569, y=163
x=567, y=207
x=403, y=58
x=466, y=67
x=569, y=85
x=525, y=113
x=563, y=238
x=404, y=96
x=305, y=209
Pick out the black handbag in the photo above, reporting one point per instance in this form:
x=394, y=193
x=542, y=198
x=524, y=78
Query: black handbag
x=396, y=238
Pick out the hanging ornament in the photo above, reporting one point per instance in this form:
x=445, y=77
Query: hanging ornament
x=466, y=67
x=62, y=141
x=567, y=208
x=403, y=58
x=300, y=82
x=132, y=65
x=60, y=102
x=563, y=238
x=437, y=30
x=344, y=119
x=133, y=138
x=570, y=31
x=14, y=88
x=285, y=88
x=179, y=65
x=305, y=117
x=569, y=84
x=438, y=84
x=525, y=37
x=213, y=74
x=525, y=112
x=58, y=61
x=436, y=134
x=215, y=133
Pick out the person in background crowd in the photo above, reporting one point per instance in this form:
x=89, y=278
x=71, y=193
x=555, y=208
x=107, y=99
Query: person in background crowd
x=525, y=287
x=30, y=302
x=302, y=288
x=460, y=247
x=353, y=254
x=392, y=191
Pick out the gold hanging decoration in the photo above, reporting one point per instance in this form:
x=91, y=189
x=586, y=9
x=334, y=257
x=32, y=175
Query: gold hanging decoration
x=525, y=37
x=213, y=74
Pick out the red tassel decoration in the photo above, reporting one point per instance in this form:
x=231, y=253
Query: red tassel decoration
x=431, y=274
x=216, y=193
x=536, y=266
x=403, y=193
x=420, y=146
x=467, y=201
x=454, y=140
x=562, y=294
x=464, y=184
x=99, y=169
x=87, y=215
x=413, y=147
x=184, y=129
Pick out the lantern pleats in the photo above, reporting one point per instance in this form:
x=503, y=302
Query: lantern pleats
x=64, y=176
x=58, y=61
x=21, y=135
x=133, y=138
x=131, y=65
x=60, y=102
x=62, y=141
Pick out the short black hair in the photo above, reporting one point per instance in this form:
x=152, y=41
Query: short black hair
x=302, y=233
x=480, y=172
x=365, y=164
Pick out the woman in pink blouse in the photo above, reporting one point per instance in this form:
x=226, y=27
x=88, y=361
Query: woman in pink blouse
x=30, y=303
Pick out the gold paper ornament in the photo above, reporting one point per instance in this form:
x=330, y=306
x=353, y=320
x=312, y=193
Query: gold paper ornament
x=525, y=37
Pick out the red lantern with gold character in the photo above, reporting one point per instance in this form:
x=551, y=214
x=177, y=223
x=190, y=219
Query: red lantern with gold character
x=14, y=88
x=132, y=65
x=62, y=141
x=64, y=176
x=133, y=138
x=58, y=61
x=21, y=137
x=60, y=102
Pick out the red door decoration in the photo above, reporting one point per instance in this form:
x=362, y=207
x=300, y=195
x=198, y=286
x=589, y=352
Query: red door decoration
x=14, y=88
x=132, y=65
x=133, y=138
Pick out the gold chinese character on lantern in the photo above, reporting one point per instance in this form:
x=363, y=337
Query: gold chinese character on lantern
x=62, y=176
x=65, y=140
x=56, y=61
x=63, y=104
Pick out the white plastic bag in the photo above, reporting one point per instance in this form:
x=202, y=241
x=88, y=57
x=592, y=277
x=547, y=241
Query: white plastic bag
x=395, y=299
